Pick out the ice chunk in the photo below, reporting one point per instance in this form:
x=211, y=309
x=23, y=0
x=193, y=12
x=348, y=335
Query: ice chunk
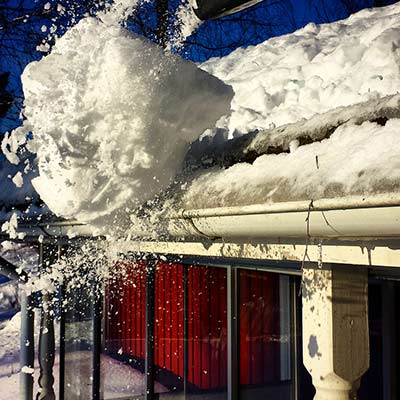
x=18, y=180
x=10, y=227
x=27, y=370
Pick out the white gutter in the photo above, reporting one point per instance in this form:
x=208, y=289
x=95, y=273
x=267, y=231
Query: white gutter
x=51, y=230
x=351, y=217
x=342, y=218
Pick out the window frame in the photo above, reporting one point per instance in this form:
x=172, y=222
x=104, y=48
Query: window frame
x=292, y=269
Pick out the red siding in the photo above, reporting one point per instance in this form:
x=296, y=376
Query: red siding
x=207, y=327
x=125, y=308
x=169, y=321
x=207, y=323
x=259, y=347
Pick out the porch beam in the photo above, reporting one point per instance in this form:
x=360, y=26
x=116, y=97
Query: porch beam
x=363, y=253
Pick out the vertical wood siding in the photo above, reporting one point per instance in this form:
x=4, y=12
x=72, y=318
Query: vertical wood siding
x=207, y=323
x=207, y=327
x=126, y=310
x=259, y=342
x=169, y=315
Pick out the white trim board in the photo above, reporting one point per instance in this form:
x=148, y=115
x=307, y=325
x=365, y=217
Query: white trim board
x=372, y=255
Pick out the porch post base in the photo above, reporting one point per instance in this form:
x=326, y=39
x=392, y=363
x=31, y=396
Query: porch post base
x=332, y=387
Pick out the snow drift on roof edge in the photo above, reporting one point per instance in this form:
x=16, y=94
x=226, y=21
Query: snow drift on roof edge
x=112, y=116
x=355, y=160
x=296, y=76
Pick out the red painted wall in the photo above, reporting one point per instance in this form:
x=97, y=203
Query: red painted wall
x=125, y=325
x=169, y=316
x=207, y=323
x=207, y=327
x=259, y=314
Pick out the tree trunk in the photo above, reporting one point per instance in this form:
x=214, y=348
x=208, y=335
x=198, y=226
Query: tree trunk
x=162, y=22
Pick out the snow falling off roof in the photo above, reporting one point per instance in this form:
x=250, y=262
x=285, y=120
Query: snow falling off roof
x=112, y=117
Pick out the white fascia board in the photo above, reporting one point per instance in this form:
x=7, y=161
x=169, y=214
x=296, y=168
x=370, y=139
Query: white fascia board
x=357, y=253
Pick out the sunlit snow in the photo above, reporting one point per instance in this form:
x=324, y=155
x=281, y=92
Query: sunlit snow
x=313, y=70
x=112, y=117
x=297, y=76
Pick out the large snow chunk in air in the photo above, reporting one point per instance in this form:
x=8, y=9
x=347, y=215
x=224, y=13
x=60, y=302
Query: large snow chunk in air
x=112, y=117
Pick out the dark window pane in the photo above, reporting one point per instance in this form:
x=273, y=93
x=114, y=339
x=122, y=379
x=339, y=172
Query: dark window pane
x=265, y=341
x=381, y=380
x=207, y=330
x=79, y=345
x=169, y=314
x=122, y=362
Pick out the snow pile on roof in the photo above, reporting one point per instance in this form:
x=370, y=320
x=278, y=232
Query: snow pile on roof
x=112, y=117
x=352, y=161
x=299, y=75
x=312, y=70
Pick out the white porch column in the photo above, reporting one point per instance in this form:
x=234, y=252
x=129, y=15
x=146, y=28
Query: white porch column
x=335, y=329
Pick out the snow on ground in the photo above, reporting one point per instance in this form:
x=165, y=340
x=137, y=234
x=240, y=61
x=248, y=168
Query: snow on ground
x=8, y=300
x=312, y=70
x=9, y=358
x=23, y=255
x=26, y=258
x=9, y=349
